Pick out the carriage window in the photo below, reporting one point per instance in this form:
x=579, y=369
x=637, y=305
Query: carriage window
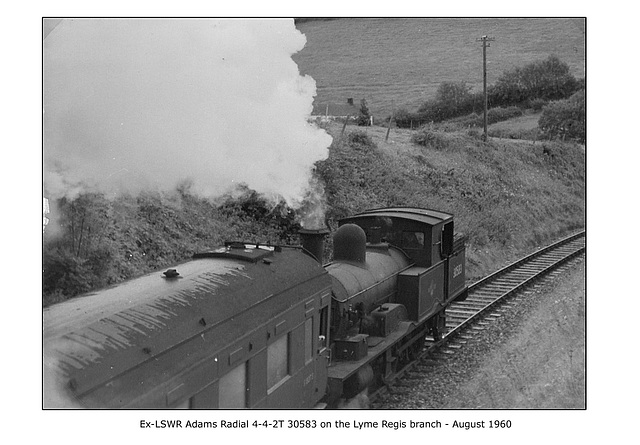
x=233, y=388
x=308, y=340
x=186, y=404
x=413, y=240
x=324, y=327
x=277, y=361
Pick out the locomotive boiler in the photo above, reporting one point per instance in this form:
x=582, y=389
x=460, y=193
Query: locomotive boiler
x=260, y=326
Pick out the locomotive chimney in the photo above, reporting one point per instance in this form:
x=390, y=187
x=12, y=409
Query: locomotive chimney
x=375, y=235
x=312, y=241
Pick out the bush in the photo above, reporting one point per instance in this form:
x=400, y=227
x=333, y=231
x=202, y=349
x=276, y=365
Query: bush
x=406, y=119
x=565, y=119
x=360, y=139
x=477, y=120
x=453, y=99
x=278, y=219
x=548, y=80
x=502, y=114
x=538, y=104
x=531, y=135
x=429, y=138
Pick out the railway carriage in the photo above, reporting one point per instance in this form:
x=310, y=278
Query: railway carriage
x=235, y=327
x=257, y=326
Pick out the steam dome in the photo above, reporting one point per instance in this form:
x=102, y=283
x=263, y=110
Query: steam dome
x=349, y=244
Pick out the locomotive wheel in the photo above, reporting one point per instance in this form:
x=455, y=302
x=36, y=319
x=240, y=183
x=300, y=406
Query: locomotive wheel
x=417, y=347
x=405, y=357
x=439, y=326
x=359, y=382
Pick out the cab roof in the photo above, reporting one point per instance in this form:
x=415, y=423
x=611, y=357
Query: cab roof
x=426, y=216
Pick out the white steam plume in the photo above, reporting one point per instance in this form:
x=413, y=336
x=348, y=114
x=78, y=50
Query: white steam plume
x=131, y=105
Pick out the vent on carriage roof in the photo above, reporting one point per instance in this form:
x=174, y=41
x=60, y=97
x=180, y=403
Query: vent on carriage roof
x=251, y=253
x=170, y=273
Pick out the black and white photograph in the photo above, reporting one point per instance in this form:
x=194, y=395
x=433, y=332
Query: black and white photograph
x=305, y=226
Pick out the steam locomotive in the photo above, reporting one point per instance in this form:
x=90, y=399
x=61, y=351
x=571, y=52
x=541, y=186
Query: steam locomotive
x=261, y=326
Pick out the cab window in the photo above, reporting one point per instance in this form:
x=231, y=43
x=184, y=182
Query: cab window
x=413, y=240
x=447, y=240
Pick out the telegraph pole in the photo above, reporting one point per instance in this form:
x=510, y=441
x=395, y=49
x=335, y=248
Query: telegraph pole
x=393, y=113
x=485, y=43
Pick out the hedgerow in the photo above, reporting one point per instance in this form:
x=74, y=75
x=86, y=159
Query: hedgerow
x=530, y=86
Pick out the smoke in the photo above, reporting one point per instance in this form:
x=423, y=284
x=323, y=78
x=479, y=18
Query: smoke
x=132, y=105
x=314, y=206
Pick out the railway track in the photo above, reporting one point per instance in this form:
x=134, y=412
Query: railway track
x=489, y=299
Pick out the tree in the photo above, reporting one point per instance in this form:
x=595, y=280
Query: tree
x=453, y=99
x=548, y=79
x=85, y=221
x=364, y=118
x=82, y=255
x=456, y=97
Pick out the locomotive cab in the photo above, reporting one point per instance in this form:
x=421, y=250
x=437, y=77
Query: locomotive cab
x=427, y=237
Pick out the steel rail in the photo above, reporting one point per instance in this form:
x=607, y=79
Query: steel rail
x=495, y=298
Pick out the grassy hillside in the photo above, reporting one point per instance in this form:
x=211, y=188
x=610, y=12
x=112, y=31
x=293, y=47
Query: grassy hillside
x=509, y=196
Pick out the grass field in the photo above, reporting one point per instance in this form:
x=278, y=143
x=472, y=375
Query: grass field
x=400, y=62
